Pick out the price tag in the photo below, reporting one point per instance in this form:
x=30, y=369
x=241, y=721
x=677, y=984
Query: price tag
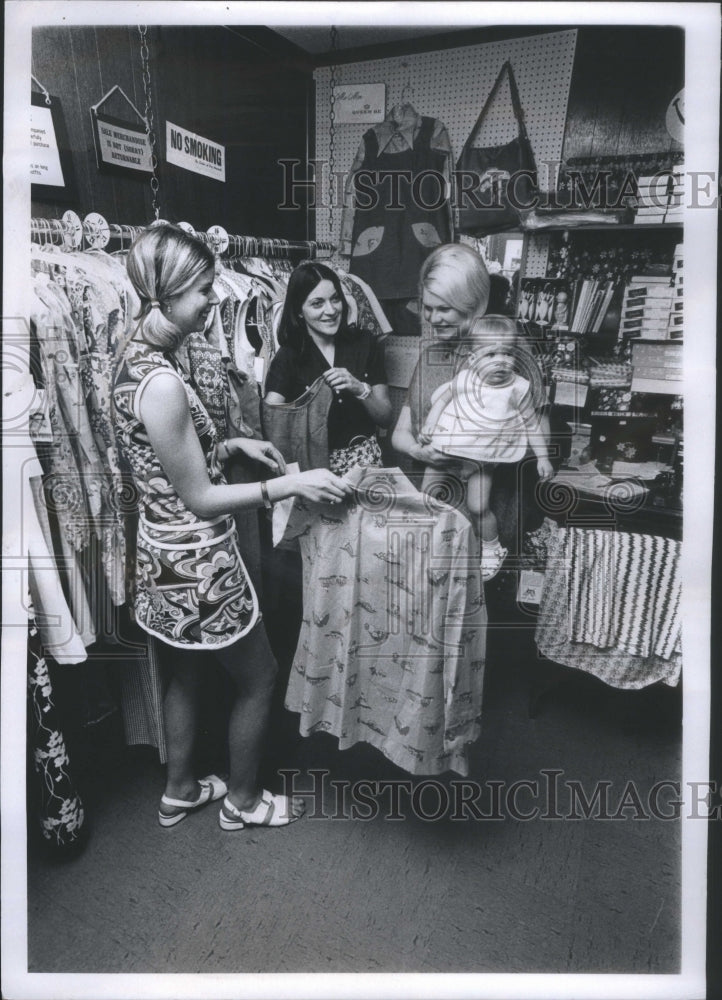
x=530, y=587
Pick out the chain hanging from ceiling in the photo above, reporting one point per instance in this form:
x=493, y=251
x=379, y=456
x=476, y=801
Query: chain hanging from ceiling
x=332, y=130
x=150, y=129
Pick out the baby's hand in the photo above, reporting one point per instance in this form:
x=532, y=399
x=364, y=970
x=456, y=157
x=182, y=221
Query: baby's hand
x=544, y=468
x=425, y=435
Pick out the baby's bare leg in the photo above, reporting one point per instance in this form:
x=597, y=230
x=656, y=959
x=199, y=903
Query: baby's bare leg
x=478, y=493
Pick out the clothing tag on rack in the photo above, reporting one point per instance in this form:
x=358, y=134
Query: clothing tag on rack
x=531, y=584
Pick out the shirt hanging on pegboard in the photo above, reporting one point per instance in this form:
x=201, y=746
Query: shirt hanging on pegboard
x=397, y=205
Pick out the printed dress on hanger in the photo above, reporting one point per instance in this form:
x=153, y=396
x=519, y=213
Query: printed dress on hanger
x=392, y=642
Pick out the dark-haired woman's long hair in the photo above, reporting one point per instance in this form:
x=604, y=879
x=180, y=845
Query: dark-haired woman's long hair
x=308, y=275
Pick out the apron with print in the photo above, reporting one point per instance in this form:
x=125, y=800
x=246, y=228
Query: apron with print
x=394, y=235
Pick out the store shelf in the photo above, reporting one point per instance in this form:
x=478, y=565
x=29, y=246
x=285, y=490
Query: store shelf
x=612, y=227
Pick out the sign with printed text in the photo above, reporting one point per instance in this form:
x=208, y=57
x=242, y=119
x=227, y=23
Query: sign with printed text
x=361, y=103
x=122, y=145
x=192, y=152
x=45, y=166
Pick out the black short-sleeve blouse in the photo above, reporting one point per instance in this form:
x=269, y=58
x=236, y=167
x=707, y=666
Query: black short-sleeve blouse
x=290, y=374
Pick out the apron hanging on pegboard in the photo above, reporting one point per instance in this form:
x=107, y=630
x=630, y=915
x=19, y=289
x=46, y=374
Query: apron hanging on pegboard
x=397, y=225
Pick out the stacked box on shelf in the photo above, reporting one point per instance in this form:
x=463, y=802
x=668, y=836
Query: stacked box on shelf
x=610, y=384
x=653, y=194
x=676, y=314
x=646, y=307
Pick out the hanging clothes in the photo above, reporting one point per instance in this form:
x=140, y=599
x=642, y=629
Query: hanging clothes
x=62, y=637
x=59, y=807
x=392, y=643
x=81, y=309
x=367, y=311
x=388, y=229
x=58, y=632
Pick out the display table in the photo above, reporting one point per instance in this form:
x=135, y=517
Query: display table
x=571, y=499
x=611, y=606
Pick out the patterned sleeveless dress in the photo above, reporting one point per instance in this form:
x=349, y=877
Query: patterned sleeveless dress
x=192, y=588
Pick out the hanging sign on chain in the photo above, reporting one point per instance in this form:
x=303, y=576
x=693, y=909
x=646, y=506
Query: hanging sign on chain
x=121, y=145
x=192, y=152
x=361, y=103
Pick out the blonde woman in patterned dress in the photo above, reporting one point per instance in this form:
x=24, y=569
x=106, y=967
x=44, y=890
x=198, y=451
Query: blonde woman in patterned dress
x=192, y=591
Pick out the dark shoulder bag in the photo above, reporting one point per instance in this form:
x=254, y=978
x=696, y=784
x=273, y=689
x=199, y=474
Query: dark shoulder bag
x=484, y=174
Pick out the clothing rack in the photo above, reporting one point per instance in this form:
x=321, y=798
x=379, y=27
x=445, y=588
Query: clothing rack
x=94, y=233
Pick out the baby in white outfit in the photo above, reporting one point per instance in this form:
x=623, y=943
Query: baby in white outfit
x=486, y=415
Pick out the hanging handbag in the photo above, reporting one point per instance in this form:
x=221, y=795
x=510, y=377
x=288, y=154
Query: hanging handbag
x=484, y=206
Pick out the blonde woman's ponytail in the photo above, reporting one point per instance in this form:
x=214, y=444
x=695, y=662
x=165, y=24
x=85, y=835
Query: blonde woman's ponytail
x=162, y=262
x=155, y=327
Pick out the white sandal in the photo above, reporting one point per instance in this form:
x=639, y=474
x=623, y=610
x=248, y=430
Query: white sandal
x=271, y=810
x=212, y=788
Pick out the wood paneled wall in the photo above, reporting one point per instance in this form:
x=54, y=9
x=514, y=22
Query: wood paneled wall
x=622, y=83
x=239, y=87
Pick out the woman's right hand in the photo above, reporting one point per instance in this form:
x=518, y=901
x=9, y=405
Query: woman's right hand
x=319, y=486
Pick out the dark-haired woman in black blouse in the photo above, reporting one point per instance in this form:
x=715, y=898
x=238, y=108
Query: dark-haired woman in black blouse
x=316, y=340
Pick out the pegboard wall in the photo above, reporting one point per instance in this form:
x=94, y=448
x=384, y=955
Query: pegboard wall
x=453, y=85
x=537, y=256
